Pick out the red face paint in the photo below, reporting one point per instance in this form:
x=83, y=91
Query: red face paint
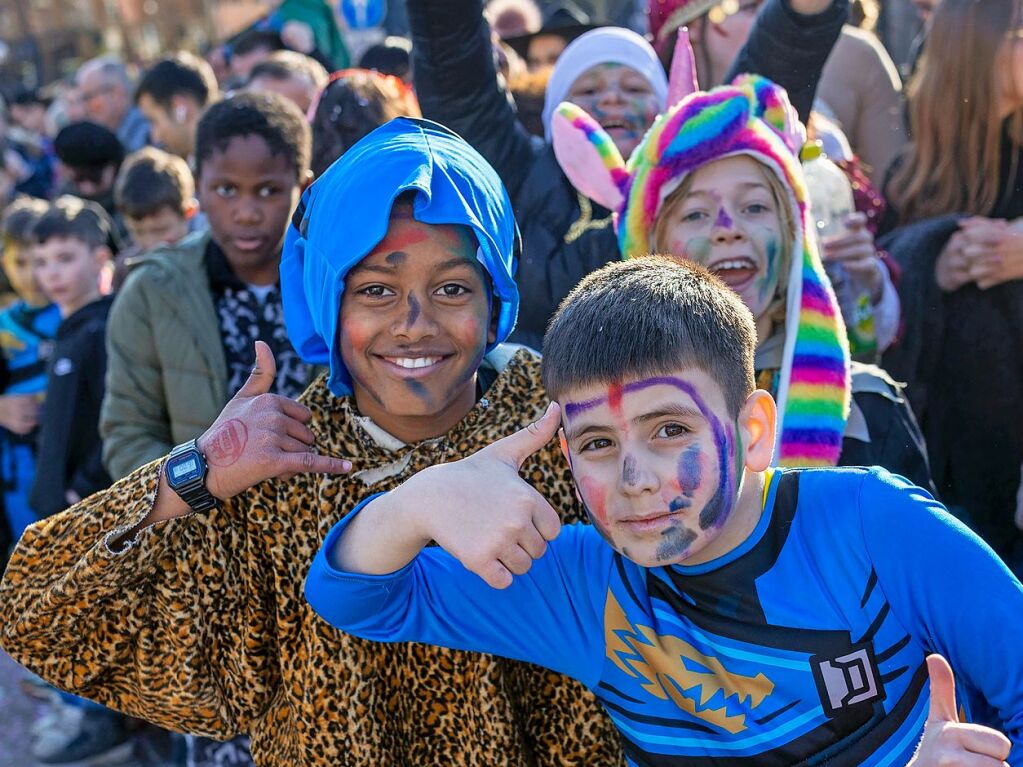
x=400, y=238
x=595, y=498
x=614, y=400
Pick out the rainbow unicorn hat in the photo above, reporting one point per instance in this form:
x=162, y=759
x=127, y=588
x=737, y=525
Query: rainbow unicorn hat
x=751, y=117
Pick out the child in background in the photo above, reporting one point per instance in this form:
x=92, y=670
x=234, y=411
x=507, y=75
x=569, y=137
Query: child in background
x=155, y=196
x=722, y=611
x=70, y=255
x=717, y=181
x=27, y=328
x=68, y=260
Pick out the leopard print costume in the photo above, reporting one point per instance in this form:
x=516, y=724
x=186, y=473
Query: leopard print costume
x=201, y=624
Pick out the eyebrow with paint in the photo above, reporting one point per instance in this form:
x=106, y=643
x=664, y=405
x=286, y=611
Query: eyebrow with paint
x=673, y=410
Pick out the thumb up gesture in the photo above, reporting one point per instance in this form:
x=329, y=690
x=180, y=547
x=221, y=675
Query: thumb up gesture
x=946, y=742
x=259, y=436
x=478, y=509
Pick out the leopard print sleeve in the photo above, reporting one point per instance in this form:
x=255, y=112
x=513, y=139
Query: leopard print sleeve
x=142, y=628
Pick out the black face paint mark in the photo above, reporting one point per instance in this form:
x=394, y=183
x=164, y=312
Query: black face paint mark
x=396, y=258
x=679, y=503
x=676, y=543
x=629, y=471
x=413, y=310
x=418, y=388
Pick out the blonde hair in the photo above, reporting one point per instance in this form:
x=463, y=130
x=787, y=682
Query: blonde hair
x=782, y=202
x=954, y=161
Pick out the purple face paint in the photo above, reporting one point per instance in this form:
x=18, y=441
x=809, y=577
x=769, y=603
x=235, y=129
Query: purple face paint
x=689, y=474
x=720, y=505
x=724, y=221
x=396, y=258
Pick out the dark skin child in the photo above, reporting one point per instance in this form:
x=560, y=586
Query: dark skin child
x=415, y=319
x=247, y=194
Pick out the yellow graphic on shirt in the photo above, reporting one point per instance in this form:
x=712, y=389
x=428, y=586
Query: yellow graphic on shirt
x=11, y=342
x=660, y=662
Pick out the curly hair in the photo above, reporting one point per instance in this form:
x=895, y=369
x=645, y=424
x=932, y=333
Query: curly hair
x=270, y=116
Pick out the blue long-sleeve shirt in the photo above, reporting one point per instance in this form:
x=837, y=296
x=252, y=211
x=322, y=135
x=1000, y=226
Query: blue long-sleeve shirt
x=805, y=644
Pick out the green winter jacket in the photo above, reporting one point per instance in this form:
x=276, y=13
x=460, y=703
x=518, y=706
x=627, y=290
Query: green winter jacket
x=166, y=372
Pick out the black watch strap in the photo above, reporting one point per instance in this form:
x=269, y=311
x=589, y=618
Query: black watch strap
x=186, y=471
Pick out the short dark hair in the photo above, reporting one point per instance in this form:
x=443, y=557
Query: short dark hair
x=284, y=65
x=256, y=39
x=354, y=103
x=151, y=179
x=646, y=317
x=20, y=218
x=181, y=74
x=391, y=57
x=25, y=96
x=76, y=218
x=88, y=145
x=270, y=116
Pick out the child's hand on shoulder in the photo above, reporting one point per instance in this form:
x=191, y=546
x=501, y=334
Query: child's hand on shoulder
x=481, y=511
x=947, y=742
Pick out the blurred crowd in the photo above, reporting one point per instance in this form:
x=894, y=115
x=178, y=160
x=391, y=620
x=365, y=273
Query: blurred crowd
x=144, y=212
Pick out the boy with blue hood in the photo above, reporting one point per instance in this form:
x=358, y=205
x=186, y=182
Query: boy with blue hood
x=398, y=274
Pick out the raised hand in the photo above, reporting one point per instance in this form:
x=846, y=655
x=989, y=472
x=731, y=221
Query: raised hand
x=478, y=509
x=946, y=742
x=259, y=436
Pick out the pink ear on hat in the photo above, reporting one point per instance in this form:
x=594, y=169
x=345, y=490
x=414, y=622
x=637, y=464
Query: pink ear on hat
x=682, y=81
x=588, y=156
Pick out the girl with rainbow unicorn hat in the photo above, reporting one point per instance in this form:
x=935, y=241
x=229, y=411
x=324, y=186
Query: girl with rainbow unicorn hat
x=717, y=180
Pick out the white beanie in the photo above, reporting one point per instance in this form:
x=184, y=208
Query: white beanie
x=606, y=45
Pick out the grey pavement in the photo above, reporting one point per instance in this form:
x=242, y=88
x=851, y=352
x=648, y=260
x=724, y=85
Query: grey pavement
x=18, y=712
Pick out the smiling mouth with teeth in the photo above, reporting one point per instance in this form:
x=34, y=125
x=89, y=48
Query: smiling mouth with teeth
x=413, y=363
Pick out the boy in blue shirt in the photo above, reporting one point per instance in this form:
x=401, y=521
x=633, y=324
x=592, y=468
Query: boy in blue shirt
x=723, y=612
x=27, y=329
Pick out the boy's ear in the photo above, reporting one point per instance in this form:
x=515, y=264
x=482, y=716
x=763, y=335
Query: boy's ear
x=102, y=254
x=758, y=422
x=588, y=156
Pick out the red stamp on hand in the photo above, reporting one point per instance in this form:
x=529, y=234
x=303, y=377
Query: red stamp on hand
x=227, y=443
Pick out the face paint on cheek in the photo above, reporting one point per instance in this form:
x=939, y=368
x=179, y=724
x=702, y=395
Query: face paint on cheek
x=767, y=282
x=719, y=507
x=697, y=249
x=351, y=340
x=675, y=544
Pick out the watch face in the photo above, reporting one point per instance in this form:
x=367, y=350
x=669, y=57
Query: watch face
x=184, y=469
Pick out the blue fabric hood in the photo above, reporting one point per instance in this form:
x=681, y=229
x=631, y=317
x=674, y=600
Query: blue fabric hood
x=346, y=212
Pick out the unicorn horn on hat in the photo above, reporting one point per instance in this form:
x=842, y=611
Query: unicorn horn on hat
x=682, y=81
